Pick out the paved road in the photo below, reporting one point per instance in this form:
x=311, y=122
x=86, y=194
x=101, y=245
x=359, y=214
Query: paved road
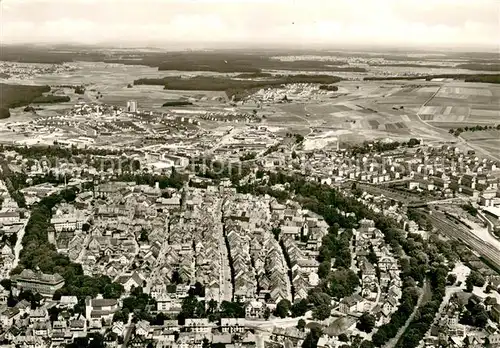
x=19, y=246
x=479, y=149
x=130, y=329
x=425, y=289
x=278, y=322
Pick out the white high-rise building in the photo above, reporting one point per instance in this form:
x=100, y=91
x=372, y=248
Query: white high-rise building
x=132, y=106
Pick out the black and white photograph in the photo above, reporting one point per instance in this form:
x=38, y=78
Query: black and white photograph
x=249, y=173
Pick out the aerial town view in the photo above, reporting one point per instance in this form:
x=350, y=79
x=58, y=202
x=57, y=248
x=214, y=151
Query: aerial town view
x=250, y=174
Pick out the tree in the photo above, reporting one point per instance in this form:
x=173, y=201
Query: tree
x=113, y=290
x=276, y=232
x=283, y=308
x=343, y=283
x=381, y=337
x=312, y=338
x=192, y=308
x=366, y=323
x=317, y=298
x=324, y=269
x=232, y=309
x=372, y=256
x=144, y=236
x=474, y=279
x=79, y=90
x=267, y=313
x=475, y=316
x=451, y=279
x=366, y=344
x=301, y=324
x=343, y=337
x=121, y=316
x=299, y=308
x=176, y=277
x=11, y=300
x=322, y=312
x=53, y=313
x=6, y=283
x=413, y=142
x=12, y=239
x=197, y=290
x=212, y=306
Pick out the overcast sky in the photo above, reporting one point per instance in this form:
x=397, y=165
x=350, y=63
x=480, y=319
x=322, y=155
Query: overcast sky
x=294, y=22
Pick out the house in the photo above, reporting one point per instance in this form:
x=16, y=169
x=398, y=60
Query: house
x=68, y=218
x=4, y=295
x=38, y=282
x=389, y=305
x=198, y=325
x=494, y=340
x=225, y=339
x=232, y=325
x=489, y=302
x=39, y=315
x=143, y=329
x=118, y=328
x=24, y=306
x=166, y=303
x=350, y=304
x=9, y=217
x=100, y=308
x=130, y=281
x=41, y=329
x=495, y=313
x=8, y=316
x=68, y=302
x=78, y=327
x=387, y=263
x=385, y=278
x=29, y=341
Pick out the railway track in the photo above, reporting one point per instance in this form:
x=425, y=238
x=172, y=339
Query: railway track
x=466, y=236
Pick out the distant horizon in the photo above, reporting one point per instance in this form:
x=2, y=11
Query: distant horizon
x=208, y=24
x=228, y=46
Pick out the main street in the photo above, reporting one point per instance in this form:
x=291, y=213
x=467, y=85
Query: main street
x=19, y=246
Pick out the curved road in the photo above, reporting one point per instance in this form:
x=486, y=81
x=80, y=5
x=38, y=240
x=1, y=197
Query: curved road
x=392, y=343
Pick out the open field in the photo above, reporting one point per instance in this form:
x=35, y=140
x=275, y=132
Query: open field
x=358, y=111
x=111, y=81
x=236, y=88
x=153, y=97
x=459, y=103
x=12, y=96
x=487, y=140
x=481, y=135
